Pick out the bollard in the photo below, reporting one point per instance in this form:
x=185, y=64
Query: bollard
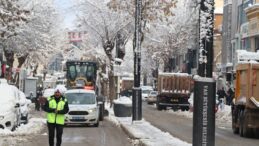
x=204, y=112
x=136, y=105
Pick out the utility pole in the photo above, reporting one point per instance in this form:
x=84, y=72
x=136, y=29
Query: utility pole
x=205, y=86
x=137, y=101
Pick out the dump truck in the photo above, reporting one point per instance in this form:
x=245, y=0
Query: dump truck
x=245, y=106
x=174, y=90
x=126, y=85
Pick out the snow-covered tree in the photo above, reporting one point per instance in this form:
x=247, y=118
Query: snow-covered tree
x=36, y=39
x=168, y=28
x=103, y=26
x=12, y=16
x=171, y=36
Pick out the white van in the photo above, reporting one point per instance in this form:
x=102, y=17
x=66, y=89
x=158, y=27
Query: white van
x=83, y=107
x=10, y=107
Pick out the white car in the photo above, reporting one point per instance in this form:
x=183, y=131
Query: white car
x=145, y=90
x=24, y=107
x=83, y=107
x=10, y=107
x=152, y=97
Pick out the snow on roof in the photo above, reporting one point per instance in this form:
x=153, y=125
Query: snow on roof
x=245, y=56
x=3, y=81
x=6, y=92
x=171, y=74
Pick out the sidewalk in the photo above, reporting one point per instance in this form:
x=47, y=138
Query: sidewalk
x=145, y=133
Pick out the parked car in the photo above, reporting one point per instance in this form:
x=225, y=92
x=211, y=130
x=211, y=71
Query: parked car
x=83, y=107
x=145, y=90
x=24, y=107
x=152, y=97
x=10, y=107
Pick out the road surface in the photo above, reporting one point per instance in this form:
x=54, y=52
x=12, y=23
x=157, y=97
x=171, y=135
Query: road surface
x=181, y=127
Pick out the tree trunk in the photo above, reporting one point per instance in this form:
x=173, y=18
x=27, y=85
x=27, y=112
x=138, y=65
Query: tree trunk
x=145, y=79
x=112, y=93
x=35, y=70
x=21, y=61
x=9, y=55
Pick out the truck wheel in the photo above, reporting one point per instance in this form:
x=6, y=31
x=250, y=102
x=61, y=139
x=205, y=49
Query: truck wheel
x=234, y=128
x=241, y=119
x=159, y=107
x=256, y=132
x=247, y=132
x=234, y=123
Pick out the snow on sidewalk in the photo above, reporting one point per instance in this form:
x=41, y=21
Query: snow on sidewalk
x=34, y=126
x=145, y=133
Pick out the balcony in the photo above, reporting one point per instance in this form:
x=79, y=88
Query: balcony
x=252, y=11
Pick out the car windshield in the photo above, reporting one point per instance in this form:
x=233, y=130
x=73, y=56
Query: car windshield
x=146, y=91
x=153, y=93
x=80, y=98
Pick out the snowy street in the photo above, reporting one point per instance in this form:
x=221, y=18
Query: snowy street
x=179, y=124
x=35, y=133
x=176, y=129
x=129, y=72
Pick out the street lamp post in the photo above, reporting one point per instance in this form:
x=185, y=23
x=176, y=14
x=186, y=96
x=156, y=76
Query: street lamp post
x=205, y=86
x=137, y=101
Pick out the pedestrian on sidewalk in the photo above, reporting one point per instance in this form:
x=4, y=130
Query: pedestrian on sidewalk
x=230, y=95
x=221, y=97
x=56, y=107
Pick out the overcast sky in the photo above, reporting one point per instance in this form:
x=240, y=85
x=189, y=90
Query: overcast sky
x=65, y=8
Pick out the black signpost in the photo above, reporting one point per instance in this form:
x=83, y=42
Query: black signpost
x=204, y=112
x=204, y=85
x=137, y=101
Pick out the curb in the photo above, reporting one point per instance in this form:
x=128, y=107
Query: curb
x=131, y=136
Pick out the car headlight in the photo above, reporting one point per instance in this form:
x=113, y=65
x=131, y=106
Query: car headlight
x=92, y=110
x=1, y=117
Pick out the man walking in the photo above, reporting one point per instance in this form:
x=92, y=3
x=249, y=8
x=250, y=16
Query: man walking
x=56, y=107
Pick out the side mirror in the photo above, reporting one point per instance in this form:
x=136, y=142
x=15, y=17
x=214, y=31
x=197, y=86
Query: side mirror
x=17, y=105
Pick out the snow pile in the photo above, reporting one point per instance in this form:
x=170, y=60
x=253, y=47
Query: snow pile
x=224, y=117
x=186, y=114
x=34, y=126
x=143, y=133
x=123, y=100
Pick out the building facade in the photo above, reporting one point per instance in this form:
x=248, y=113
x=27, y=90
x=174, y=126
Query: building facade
x=217, y=38
x=226, y=60
x=252, y=14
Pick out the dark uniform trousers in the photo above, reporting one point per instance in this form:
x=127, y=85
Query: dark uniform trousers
x=59, y=131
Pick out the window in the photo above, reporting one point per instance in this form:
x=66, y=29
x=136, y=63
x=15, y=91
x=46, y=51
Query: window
x=80, y=98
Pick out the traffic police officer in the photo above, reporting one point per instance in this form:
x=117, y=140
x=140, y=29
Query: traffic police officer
x=56, y=107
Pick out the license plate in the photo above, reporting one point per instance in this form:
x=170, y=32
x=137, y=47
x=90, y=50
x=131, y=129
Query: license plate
x=78, y=118
x=174, y=100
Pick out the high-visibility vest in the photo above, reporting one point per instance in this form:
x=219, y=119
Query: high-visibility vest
x=53, y=117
